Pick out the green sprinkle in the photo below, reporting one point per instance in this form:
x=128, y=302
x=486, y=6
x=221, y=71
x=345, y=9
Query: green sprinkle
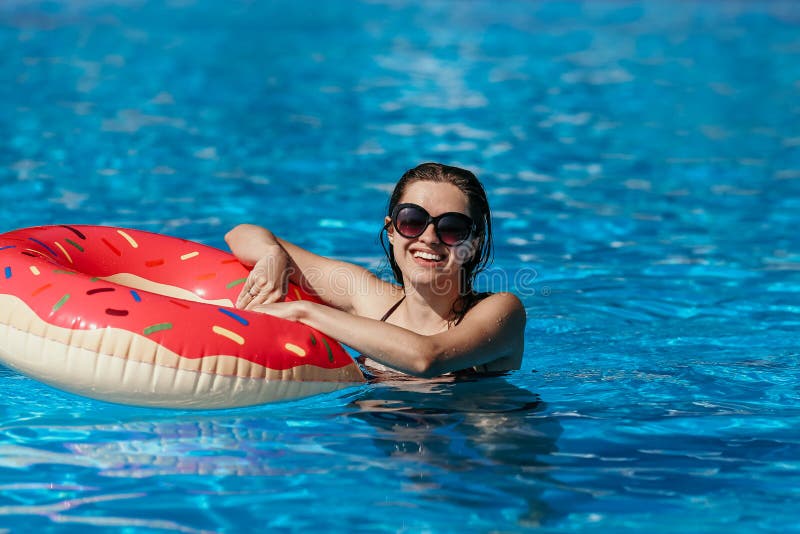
x=330, y=353
x=62, y=271
x=157, y=328
x=313, y=340
x=74, y=244
x=236, y=283
x=94, y=279
x=60, y=302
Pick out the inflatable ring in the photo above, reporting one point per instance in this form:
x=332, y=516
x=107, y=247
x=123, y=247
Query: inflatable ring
x=140, y=318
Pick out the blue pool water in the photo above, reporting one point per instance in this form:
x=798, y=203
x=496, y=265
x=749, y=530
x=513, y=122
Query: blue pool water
x=643, y=165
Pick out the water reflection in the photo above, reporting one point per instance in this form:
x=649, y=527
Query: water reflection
x=478, y=442
x=435, y=446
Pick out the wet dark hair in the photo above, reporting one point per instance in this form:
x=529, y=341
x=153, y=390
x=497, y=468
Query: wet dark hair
x=468, y=184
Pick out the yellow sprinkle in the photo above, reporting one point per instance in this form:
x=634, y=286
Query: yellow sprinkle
x=233, y=336
x=36, y=252
x=294, y=348
x=128, y=238
x=64, y=251
x=297, y=294
x=189, y=255
x=34, y=270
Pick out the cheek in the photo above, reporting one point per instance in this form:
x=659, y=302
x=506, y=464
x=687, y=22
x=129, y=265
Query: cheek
x=398, y=244
x=464, y=252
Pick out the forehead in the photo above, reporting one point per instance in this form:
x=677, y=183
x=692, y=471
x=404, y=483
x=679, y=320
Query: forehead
x=436, y=197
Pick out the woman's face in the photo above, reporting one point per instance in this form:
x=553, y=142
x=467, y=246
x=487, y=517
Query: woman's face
x=425, y=259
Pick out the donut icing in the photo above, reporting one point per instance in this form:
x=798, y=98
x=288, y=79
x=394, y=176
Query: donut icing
x=141, y=318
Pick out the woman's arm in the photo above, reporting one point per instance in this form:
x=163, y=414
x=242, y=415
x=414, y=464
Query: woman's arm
x=275, y=261
x=491, y=334
x=272, y=267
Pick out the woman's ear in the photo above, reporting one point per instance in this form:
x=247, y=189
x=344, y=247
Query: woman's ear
x=387, y=223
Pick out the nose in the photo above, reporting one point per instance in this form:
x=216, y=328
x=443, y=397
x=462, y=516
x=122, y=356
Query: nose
x=429, y=235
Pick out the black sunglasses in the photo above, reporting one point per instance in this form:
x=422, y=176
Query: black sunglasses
x=451, y=228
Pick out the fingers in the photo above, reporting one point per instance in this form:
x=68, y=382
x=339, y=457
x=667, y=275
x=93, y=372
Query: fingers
x=266, y=295
x=249, y=290
x=267, y=283
x=258, y=291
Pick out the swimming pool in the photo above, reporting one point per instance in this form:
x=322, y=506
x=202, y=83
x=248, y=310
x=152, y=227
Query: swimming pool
x=643, y=164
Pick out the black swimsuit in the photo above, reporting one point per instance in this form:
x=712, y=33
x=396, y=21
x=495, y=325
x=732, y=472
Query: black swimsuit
x=370, y=373
x=362, y=359
x=392, y=309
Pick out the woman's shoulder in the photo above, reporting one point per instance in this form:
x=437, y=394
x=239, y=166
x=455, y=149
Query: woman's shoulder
x=495, y=305
x=376, y=298
x=500, y=317
x=504, y=297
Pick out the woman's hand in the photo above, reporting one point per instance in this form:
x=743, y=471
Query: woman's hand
x=268, y=281
x=292, y=311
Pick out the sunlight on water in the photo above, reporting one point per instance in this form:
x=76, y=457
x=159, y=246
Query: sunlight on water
x=642, y=164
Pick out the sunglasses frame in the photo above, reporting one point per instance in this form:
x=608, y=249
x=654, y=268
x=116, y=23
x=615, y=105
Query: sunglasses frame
x=434, y=220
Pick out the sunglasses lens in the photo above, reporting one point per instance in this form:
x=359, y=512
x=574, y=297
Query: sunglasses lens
x=411, y=222
x=453, y=229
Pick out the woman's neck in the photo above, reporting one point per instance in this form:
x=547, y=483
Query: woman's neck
x=427, y=311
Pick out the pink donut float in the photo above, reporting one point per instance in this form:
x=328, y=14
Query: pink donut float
x=140, y=318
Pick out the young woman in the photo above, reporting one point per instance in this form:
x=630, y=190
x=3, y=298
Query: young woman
x=431, y=322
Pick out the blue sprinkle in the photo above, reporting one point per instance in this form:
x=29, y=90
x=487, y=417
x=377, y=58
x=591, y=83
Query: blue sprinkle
x=234, y=316
x=8, y=246
x=50, y=250
x=8, y=273
x=136, y=296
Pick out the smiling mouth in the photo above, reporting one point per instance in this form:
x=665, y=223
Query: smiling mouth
x=427, y=256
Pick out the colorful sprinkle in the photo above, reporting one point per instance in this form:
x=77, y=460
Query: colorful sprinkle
x=128, y=238
x=100, y=290
x=114, y=249
x=297, y=294
x=234, y=316
x=136, y=296
x=73, y=243
x=207, y=276
x=116, y=313
x=235, y=283
x=74, y=231
x=64, y=251
x=50, y=250
x=7, y=272
x=30, y=254
x=294, y=348
x=36, y=252
x=63, y=271
x=190, y=255
x=157, y=328
x=313, y=340
x=40, y=289
x=233, y=336
x=181, y=304
x=94, y=279
x=63, y=300
x=230, y=261
x=35, y=270
x=154, y=263
x=8, y=246
x=328, y=347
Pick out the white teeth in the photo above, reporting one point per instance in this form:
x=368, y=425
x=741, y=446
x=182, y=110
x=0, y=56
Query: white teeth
x=427, y=256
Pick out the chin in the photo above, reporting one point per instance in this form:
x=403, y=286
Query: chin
x=440, y=277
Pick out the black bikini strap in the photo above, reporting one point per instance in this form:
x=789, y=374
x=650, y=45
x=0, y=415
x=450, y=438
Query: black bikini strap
x=392, y=309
